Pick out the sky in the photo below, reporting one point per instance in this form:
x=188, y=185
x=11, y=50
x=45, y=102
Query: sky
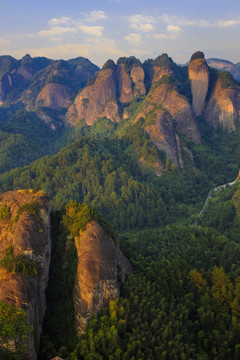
x=101, y=30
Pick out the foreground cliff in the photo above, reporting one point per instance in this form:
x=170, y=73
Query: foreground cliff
x=101, y=265
x=25, y=249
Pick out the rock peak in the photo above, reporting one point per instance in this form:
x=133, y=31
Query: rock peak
x=198, y=74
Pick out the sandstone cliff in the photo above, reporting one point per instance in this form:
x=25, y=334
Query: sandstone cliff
x=163, y=136
x=27, y=232
x=130, y=78
x=223, y=107
x=166, y=111
x=100, y=267
x=55, y=96
x=92, y=100
x=198, y=74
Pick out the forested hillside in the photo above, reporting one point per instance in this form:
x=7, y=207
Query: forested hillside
x=139, y=145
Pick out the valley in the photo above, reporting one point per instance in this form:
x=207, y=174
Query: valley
x=102, y=173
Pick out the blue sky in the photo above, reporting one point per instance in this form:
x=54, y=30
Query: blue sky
x=100, y=30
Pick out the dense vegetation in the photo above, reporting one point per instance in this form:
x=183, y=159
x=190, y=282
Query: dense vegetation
x=30, y=208
x=25, y=138
x=79, y=215
x=105, y=174
x=182, y=302
x=197, y=55
x=59, y=316
x=13, y=324
x=19, y=264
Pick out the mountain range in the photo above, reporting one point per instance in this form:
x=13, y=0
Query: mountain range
x=166, y=98
x=138, y=146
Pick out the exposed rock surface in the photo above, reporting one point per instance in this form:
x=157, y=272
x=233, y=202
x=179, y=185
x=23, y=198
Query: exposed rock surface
x=91, y=101
x=163, y=110
x=163, y=136
x=55, y=96
x=159, y=72
x=125, y=91
x=130, y=78
x=137, y=76
x=111, y=111
x=223, y=108
x=100, y=265
x=198, y=74
x=29, y=237
x=180, y=110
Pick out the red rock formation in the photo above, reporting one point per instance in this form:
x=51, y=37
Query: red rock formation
x=164, y=105
x=223, y=107
x=55, y=96
x=198, y=74
x=125, y=90
x=29, y=237
x=100, y=265
x=91, y=101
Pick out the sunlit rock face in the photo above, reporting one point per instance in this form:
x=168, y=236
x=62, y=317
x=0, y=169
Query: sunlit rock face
x=101, y=266
x=198, y=74
x=29, y=237
x=223, y=108
x=90, y=103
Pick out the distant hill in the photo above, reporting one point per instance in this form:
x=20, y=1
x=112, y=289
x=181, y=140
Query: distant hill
x=225, y=65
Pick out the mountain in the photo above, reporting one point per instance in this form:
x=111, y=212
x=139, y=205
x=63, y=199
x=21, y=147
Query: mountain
x=101, y=264
x=25, y=256
x=161, y=98
x=143, y=144
x=225, y=65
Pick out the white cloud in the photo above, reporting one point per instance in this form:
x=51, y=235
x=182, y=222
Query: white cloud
x=172, y=32
x=56, y=31
x=105, y=46
x=181, y=21
x=95, y=15
x=228, y=23
x=166, y=19
x=92, y=30
x=60, y=21
x=133, y=38
x=203, y=23
x=142, y=22
x=174, y=29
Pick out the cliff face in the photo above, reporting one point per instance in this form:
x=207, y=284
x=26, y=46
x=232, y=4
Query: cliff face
x=55, y=96
x=164, y=110
x=163, y=136
x=223, y=108
x=92, y=100
x=100, y=265
x=131, y=82
x=198, y=74
x=29, y=236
